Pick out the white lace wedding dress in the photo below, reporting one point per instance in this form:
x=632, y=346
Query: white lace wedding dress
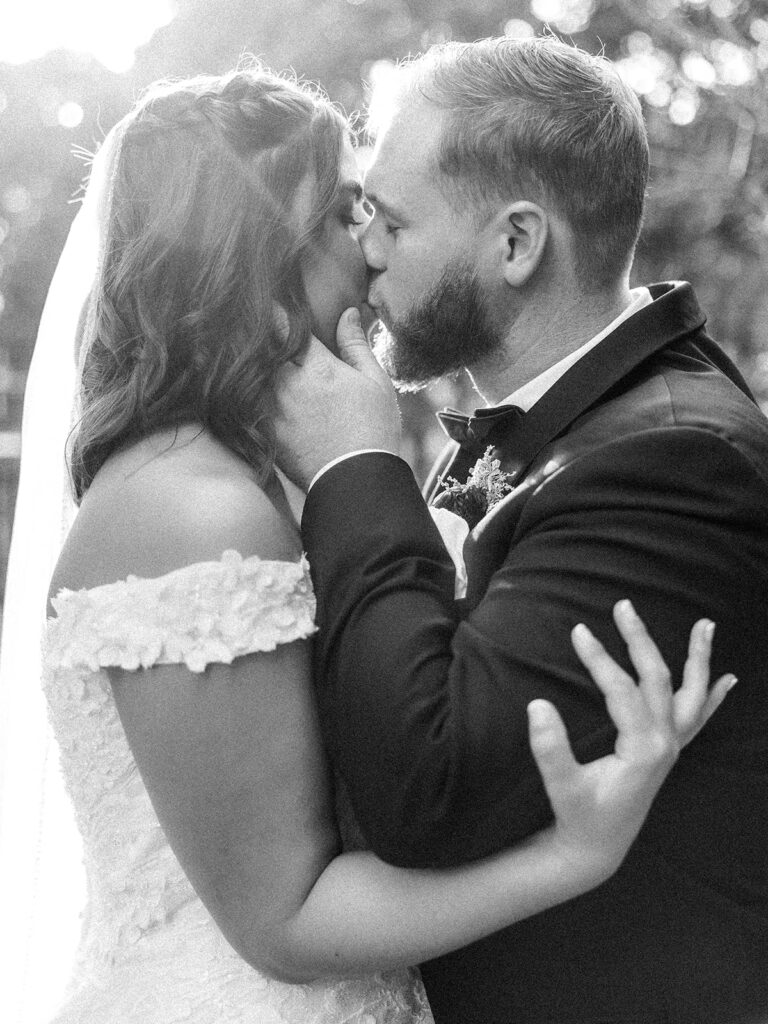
x=150, y=952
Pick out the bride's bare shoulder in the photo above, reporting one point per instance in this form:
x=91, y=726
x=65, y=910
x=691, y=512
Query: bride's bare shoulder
x=172, y=500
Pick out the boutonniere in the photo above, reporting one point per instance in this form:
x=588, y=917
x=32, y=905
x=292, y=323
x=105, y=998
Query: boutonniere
x=485, y=487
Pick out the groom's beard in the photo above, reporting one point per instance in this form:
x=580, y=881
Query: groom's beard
x=447, y=330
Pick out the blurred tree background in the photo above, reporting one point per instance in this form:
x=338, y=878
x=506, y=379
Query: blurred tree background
x=698, y=66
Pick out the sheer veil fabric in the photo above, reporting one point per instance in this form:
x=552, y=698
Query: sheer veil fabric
x=41, y=877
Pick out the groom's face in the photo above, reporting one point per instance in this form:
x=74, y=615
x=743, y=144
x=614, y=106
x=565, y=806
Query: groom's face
x=424, y=256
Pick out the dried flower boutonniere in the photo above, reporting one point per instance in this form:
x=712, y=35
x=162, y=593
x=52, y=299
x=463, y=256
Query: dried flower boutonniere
x=485, y=487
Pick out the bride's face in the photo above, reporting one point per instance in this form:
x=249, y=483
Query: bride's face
x=333, y=268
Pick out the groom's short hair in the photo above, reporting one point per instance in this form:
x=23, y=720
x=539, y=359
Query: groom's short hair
x=546, y=118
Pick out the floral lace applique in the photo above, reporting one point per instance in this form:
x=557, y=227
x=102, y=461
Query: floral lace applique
x=202, y=613
x=150, y=952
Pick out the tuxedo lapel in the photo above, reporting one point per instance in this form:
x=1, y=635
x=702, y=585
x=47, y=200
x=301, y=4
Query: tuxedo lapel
x=672, y=316
x=674, y=313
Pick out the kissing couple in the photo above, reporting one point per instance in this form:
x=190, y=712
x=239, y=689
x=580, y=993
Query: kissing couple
x=216, y=672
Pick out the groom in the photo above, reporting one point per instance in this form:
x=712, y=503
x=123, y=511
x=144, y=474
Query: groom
x=508, y=188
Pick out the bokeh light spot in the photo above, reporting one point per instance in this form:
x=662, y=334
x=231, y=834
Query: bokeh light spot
x=639, y=42
x=438, y=33
x=516, y=28
x=698, y=70
x=722, y=8
x=16, y=199
x=117, y=57
x=683, y=107
x=734, y=64
x=565, y=15
x=70, y=114
x=642, y=72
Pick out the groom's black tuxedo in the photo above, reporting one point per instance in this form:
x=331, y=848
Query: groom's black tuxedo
x=642, y=473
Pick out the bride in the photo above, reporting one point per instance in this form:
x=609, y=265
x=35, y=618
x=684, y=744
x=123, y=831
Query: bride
x=219, y=231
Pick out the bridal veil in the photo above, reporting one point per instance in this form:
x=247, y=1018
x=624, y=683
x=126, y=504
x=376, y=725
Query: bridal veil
x=41, y=883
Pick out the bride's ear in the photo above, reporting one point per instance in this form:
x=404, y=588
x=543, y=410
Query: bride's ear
x=280, y=320
x=519, y=232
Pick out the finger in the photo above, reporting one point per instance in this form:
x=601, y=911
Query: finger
x=625, y=704
x=692, y=695
x=715, y=698
x=693, y=705
x=550, y=747
x=293, y=375
x=353, y=345
x=654, y=677
x=292, y=382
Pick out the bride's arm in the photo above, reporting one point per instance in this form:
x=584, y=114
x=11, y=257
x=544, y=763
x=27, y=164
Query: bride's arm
x=234, y=767
x=374, y=915
x=233, y=763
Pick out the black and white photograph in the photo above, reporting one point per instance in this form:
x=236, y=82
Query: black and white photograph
x=384, y=512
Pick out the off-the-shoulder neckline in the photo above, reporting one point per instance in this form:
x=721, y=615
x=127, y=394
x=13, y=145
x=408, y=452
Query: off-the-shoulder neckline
x=229, y=558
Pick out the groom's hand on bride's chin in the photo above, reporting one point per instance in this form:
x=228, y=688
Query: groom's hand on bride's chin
x=329, y=407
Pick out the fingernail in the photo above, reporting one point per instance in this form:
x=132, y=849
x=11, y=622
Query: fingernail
x=538, y=713
x=583, y=631
x=353, y=316
x=709, y=629
x=626, y=607
x=731, y=682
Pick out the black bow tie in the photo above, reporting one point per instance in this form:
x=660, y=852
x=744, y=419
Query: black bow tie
x=472, y=431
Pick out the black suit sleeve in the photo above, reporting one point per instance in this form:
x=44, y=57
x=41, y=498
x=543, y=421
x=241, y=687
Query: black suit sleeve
x=425, y=713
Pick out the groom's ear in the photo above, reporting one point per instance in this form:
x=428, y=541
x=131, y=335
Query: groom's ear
x=521, y=230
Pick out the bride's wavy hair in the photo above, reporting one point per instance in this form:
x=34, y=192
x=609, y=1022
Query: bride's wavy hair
x=200, y=250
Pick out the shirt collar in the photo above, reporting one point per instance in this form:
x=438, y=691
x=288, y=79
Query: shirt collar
x=528, y=395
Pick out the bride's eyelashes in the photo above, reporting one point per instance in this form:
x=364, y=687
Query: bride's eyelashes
x=355, y=214
x=349, y=220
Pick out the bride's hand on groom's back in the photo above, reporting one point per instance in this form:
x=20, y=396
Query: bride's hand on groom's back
x=600, y=806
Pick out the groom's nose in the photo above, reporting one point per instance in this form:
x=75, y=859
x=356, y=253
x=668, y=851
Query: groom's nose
x=371, y=242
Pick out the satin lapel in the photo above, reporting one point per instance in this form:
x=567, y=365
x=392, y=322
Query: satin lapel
x=674, y=313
